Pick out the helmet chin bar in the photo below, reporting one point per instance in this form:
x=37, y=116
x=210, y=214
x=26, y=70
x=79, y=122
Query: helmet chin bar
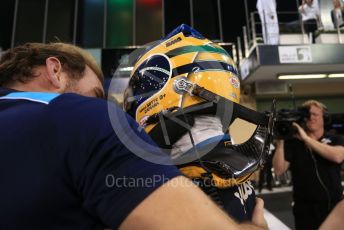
x=232, y=161
x=254, y=151
x=235, y=160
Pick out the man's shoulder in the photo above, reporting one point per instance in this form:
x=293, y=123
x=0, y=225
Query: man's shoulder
x=81, y=102
x=73, y=109
x=71, y=103
x=333, y=139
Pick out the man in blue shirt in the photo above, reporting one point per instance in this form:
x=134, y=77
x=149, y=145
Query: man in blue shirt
x=62, y=165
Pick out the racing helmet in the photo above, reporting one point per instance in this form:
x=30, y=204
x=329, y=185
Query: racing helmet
x=164, y=77
x=184, y=75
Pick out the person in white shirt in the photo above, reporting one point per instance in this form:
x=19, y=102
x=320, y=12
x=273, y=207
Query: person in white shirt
x=310, y=17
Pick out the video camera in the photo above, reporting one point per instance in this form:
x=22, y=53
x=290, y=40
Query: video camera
x=283, y=128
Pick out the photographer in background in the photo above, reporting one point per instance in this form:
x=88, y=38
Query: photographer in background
x=314, y=159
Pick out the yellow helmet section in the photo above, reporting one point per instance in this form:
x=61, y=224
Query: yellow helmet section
x=200, y=61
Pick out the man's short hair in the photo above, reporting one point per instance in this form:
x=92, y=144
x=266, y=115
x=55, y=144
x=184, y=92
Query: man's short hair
x=309, y=103
x=18, y=63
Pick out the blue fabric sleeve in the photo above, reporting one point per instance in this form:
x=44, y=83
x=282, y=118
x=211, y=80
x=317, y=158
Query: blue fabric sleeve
x=111, y=180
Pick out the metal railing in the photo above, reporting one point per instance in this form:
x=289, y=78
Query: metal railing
x=289, y=22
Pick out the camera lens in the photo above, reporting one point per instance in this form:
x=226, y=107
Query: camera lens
x=282, y=128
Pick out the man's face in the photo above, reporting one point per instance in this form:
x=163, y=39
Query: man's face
x=89, y=85
x=316, y=120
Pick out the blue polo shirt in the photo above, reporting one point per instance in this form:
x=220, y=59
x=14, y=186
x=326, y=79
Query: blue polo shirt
x=63, y=167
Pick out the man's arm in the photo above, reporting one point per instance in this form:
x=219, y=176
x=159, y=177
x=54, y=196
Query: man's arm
x=332, y=153
x=335, y=219
x=179, y=204
x=279, y=163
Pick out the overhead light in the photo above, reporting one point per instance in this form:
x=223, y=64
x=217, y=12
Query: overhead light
x=301, y=76
x=335, y=75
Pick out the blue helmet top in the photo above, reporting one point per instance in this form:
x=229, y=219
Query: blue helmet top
x=186, y=30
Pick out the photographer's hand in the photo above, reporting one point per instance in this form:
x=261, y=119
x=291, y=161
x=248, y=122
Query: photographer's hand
x=333, y=153
x=301, y=133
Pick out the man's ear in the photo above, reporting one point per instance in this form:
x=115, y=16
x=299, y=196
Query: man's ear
x=54, y=69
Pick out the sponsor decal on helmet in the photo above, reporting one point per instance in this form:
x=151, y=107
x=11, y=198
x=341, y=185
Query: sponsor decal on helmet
x=150, y=105
x=235, y=82
x=174, y=41
x=234, y=95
